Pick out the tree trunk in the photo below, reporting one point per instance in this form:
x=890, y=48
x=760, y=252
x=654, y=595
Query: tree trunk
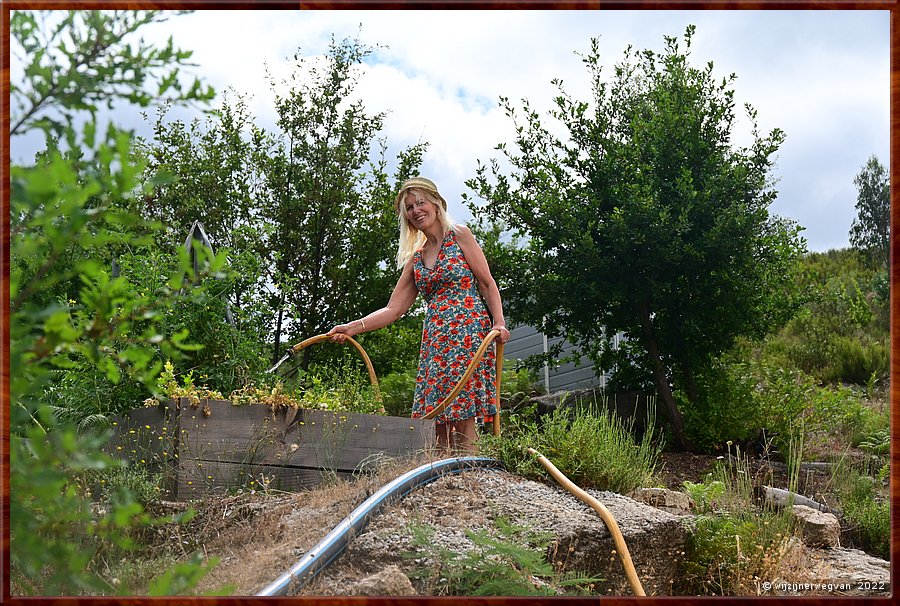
x=662, y=381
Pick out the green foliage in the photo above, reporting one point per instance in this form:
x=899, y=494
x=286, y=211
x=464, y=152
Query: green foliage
x=53, y=530
x=394, y=348
x=729, y=405
x=799, y=376
x=517, y=384
x=756, y=395
x=733, y=545
x=866, y=507
x=60, y=537
x=706, y=495
x=508, y=560
x=856, y=362
x=168, y=386
x=181, y=578
x=345, y=388
x=76, y=62
x=730, y=554
x=590, y=445
x=207, y=172
x=398, y=390
x=641, y=206
x=67, y=314
x=878, y=442
x=870, y=231
x=143, y=485
x=841, y=335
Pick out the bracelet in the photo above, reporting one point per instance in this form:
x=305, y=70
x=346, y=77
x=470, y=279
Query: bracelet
x=363, y=322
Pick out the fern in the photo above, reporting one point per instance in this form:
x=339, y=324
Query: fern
x=508, y=560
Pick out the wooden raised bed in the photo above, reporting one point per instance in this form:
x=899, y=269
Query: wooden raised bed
x=217, y=446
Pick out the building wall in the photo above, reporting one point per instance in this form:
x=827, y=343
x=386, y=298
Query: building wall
x=525, y=341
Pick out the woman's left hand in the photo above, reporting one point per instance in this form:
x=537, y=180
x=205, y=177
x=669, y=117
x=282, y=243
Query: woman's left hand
x=504, y=333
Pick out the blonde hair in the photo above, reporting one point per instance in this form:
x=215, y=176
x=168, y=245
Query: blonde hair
x=411, y=239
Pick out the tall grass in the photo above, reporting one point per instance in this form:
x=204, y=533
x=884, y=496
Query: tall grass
x=865, y=505
x=589, y=444
x=735, y=544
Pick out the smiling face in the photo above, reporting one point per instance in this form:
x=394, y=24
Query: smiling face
x=420, y=210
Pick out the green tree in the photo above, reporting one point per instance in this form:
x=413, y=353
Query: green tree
x=871, y=229
x=328, y=204
x=205, y=171
x=644, y=219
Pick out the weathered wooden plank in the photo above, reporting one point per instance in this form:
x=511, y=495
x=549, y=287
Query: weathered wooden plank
x=196, y=479
x=219, y=445
x=334, y=440
x=148, y=433
x=314, y=438
x=230, y=433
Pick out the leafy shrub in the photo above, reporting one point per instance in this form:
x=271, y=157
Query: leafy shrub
x=517, y=383
x=706, y=495
x=878, y=442
x=394, y=348
x=61, y=537
x=872, y=520
x=593, y=447
x=855, y=360
x=143, y=484
x=731, y=554
x=397, y=390
x=727, y=409
x=753, y=392
x=841, y=334
x=345, y=388
x=69, y=211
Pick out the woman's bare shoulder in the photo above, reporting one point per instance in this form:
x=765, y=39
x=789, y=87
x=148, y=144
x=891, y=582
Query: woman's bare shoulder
x=461, y=229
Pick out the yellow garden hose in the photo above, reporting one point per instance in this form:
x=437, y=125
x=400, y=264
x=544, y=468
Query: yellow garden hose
x=607, y=517
x=470, y=370
x=497, y=381
x=372, y=378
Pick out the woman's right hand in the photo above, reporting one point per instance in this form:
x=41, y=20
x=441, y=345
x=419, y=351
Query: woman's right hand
x=340, y=332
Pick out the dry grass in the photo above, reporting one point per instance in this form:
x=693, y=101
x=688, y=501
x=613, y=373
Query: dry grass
x=257, y=536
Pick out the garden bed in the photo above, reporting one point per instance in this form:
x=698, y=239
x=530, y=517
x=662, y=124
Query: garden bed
x=214, y=445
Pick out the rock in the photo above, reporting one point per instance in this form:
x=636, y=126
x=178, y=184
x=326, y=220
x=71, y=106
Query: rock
x=855, y=571
x=663, y=498
x=818, y=529
x=580, y=540
x=390, y=582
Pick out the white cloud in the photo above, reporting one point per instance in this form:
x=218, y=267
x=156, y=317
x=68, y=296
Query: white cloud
x=821, y=76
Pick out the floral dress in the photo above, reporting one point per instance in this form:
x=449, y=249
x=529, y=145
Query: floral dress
x=456, y=322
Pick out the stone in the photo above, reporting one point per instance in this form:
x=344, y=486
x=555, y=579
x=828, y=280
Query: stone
x=818, y=529
x=663, y=498
x=857, y=572
x=391, y=581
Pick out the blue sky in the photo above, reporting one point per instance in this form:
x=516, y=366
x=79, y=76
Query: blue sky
x=821, y=76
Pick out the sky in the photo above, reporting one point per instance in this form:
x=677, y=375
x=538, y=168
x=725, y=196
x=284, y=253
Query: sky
x=821, y=76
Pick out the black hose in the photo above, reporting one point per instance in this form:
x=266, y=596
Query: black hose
x=334, y=543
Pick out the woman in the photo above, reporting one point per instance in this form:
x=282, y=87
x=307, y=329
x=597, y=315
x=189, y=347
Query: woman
x=442, y=261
